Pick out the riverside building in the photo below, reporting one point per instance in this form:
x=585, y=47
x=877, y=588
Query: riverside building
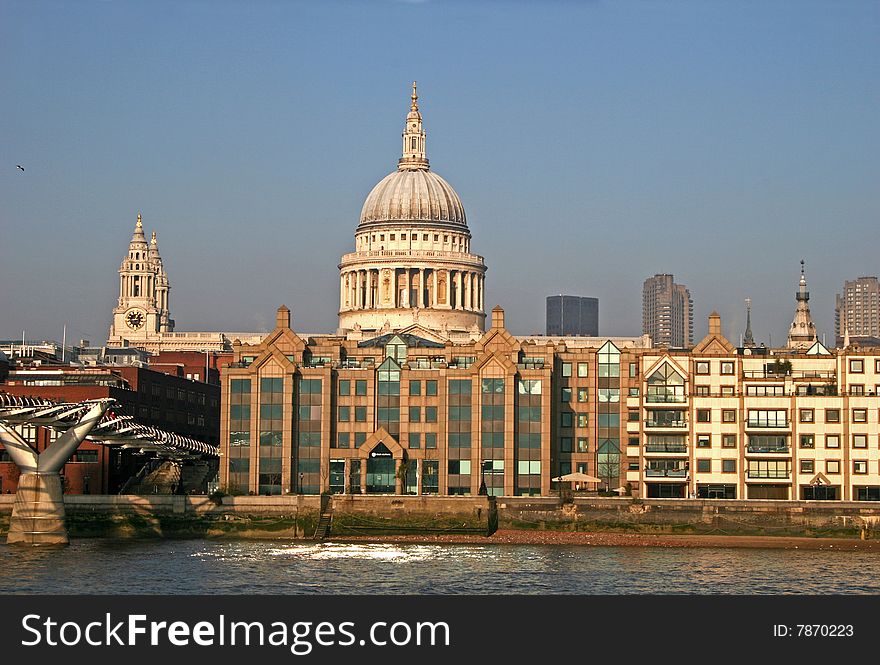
x=412, y=396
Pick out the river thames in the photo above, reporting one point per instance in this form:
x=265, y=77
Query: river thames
x=281, y=567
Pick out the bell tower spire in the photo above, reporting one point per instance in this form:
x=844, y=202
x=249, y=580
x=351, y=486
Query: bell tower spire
x=413, y=156
x=802, y=333
x=748, y=338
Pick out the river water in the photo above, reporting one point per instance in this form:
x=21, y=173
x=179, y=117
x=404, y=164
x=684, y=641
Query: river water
x=282, y=567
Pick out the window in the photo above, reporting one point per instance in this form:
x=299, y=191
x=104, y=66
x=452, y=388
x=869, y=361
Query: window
x=565, y=444
x=632, y=441
x=582, y=419
x=704, y=415
x=415, y=387
x=727, y=391
x=631, y=416
x=565, y=419
x=728, y=440
x=665, y=385
x=415, y=414
x=768, y=418
x=860, y=415
x=832, y=415
x=727, y=367
x=430, y=439
x=583, y=394
x=832, y=441
x=860, y=441
x=857, y=366
x=702, y=367
x=806, y=415
x=415, y=440
x=808, y=441
x=807, y=466
x=430, y=414
x=860, y=466
x=877, y=366
x=633, y=370
x=360, y=414
x=765, y=391
x=582, y=445
x=459, y=466
x=359, y=439
x=360, y=387
x=857, y=389
x=566, y=394
x=342, y=439
x=728, y=415
x=430, y=388
x=728, y=466
x=344, y=387
x=566, y=370
x=704, y=466
x=584, y=370
x=832, y=466
x=704, y=440
x=344, y=414
x=701, y=391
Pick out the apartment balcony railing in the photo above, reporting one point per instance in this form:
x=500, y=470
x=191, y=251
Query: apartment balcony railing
x=758, y=449
x=666, y=448
x=770, y=474
x=666, y=473
x=766, y=374
x=670, y=424
x=778, y=424
x=665, y=399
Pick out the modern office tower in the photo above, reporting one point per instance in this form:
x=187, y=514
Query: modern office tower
x=667, y=312
x=802, y=333
x=857, y=312
x=572, y=315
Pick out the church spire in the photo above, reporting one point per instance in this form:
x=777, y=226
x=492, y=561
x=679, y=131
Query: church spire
x=802, y=333
x=748, y=338
x=413, y=156
x=138, y=236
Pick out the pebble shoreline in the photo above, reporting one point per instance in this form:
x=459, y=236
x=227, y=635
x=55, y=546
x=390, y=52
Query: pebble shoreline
x=513, y=537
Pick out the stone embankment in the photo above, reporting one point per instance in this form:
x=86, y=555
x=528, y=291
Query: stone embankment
x=586, y=520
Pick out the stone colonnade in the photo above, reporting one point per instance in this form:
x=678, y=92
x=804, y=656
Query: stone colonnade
x=375, y=288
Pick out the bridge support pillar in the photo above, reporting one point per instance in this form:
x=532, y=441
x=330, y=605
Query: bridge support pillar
x=38, y=516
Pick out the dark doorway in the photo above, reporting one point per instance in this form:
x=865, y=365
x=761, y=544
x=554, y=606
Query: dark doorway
x=381, y=469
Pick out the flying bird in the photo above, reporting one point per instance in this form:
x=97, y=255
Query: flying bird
x=20, y=166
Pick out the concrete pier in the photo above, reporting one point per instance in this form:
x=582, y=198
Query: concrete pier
x=38, y=515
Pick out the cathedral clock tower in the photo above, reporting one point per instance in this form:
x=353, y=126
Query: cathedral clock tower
x=142, y=310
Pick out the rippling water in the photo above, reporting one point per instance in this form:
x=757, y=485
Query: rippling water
x=282, y=567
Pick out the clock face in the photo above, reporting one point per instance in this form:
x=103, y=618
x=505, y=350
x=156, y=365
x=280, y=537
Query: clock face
x=135, y=319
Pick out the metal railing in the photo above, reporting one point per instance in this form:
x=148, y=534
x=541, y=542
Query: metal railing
x=768, y=448
x=666, y=473
x=666, y=423
x=666, y=448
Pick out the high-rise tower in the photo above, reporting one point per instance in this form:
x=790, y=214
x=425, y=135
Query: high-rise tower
x=667, y=312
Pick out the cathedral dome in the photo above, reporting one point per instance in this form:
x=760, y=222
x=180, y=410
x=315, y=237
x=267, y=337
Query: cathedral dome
x=413, y=195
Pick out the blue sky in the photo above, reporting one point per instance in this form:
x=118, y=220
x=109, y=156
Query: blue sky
x=592, y=143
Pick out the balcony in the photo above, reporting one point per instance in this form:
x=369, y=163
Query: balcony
x=776, y=424
x=769, y=474
x=759, y=449
x=666, y=473
x=666, y=424
x=664, y=399
x=674, y=448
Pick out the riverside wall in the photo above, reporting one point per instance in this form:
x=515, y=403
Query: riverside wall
x=296, y=516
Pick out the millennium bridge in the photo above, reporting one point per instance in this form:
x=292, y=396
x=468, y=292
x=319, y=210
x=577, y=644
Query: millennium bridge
x=38, y=515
